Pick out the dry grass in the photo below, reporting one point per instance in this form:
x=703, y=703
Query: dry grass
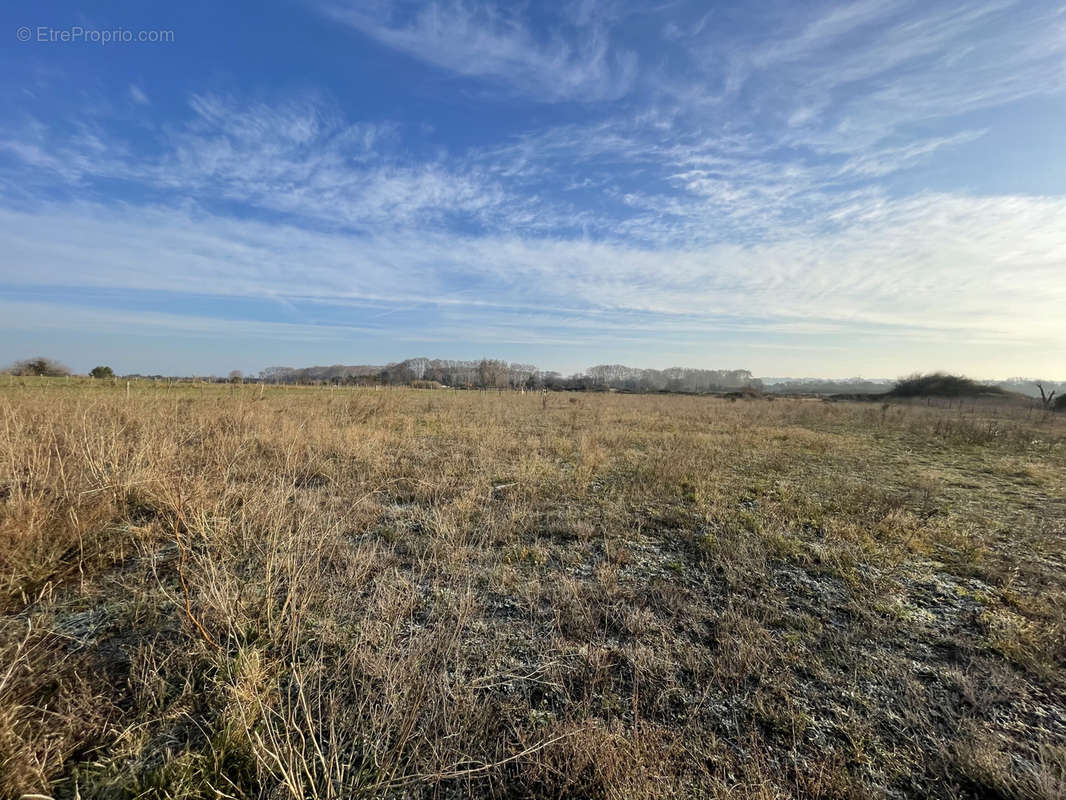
x=224, y=592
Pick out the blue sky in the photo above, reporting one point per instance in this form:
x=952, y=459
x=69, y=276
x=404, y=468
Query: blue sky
x=834, y=189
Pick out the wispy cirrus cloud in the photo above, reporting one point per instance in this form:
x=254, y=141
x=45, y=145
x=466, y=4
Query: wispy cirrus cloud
x=929, y=263
x=293, y=158
x=138, y=96
x=839, y=78
x=731, y=227
x=862, y=72
x=571, y=60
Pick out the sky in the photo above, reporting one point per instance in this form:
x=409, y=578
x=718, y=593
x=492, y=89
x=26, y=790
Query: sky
x=807, y=189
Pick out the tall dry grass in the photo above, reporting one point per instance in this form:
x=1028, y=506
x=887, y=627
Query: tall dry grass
x=237, y=592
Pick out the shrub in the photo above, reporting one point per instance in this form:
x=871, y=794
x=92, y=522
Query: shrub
x=939, y=384
x=102, y=372
x=39, y=366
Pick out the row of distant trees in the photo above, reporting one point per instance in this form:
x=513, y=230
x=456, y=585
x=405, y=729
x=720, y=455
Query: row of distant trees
x=482, y=374
x=828, y=386
x=496, y=374
x=50, y=368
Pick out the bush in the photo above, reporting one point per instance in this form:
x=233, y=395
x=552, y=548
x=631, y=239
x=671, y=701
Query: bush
x=1060, y=403
x=40, y=367
x=939, y=384
x=102, y=372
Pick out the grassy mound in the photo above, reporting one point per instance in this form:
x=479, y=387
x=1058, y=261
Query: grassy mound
x=939, y=384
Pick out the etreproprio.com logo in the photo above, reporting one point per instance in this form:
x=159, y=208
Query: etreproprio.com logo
x=77, y=34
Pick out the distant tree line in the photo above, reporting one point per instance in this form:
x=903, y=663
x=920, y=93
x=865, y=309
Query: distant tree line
x=827, y=386
x=496, y=374
x=673, y=379
x=489, y=373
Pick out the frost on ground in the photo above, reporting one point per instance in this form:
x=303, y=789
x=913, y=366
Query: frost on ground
x=409, y=593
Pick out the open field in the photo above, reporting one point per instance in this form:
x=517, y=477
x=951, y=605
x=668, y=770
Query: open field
x=228, y=592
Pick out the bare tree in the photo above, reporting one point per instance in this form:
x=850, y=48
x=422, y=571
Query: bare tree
x=492, y=374
x=1046, y=399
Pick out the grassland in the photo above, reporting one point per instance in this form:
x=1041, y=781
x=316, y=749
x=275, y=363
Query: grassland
x=287, y=593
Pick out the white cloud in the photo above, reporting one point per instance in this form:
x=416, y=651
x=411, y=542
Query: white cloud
x=489, y=41
x=839, y=78
x=991, y=267
x=294, y=158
